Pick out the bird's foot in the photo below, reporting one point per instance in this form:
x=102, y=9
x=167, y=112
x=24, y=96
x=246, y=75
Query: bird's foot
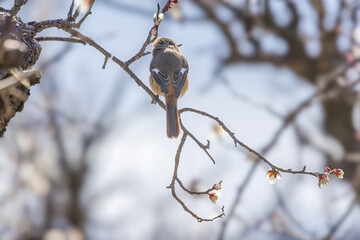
x=154, y=100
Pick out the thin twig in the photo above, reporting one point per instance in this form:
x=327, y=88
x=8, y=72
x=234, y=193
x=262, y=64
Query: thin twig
x=62, y=39
x=177, y=159
x=17, y=5
x=76, y=14
x=77, y=25
x=172, y=186
x=237, y=141
x=58, y=56
x=154, y=97
x=142, y=52
x=71, y=10
x=90, y=42
x=202, y=146
x=193, y=192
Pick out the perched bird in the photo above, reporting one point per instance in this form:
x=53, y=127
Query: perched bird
x=169, y=78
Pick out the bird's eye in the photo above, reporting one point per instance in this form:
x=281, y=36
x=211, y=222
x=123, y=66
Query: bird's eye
x=171, y=43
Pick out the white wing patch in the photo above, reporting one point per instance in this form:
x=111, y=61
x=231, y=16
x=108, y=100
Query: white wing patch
x=156, y=70
x=183, y=70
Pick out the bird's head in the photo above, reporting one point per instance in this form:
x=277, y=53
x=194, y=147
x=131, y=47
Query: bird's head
x=163, y=43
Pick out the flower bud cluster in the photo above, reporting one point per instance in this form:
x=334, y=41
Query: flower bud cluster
x=324, y=177
x=213, y=196
x=158, y=18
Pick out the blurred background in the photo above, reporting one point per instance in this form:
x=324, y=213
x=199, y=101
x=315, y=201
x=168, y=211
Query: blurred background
x=88, y=157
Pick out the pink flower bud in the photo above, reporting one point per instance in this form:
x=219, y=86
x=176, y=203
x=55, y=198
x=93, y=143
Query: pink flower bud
x=213, y=197
x=273, y=176
x=217, y=186
x=339, y=173
x=323, y=180
x=157, y=22
x=154, y=31
x=161, y=16
x=84, y=5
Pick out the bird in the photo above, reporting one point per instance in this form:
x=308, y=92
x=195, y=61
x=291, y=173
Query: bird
x=169, y=78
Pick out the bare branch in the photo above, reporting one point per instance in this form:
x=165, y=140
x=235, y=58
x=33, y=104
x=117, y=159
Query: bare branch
x=142, y=52
x=77, y=25
x=90, y=42
x=237, y=141
x=154, y=97
x=192, y=192
x=172, y=185
x=17, y=5
x=70, y=13
x=202, y=146
x=62, y=39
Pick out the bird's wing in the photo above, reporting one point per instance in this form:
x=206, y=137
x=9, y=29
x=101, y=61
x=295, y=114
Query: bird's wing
x=180, y=77
x=161, y=78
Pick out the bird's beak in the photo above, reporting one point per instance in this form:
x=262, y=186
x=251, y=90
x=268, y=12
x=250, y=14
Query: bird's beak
x=179, y=45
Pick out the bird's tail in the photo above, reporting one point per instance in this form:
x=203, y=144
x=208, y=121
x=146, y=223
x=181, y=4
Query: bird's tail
x=172, y=117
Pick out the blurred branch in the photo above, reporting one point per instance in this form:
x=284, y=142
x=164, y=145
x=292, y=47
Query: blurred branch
x=341, y=220
x=239, y=191
x=90, y=42
x=140, y=11
x=287, y=211
x=326, y=81
x=57, y=57
x=341, y=90
x=202, y=146
x=261, y=23
x=126, y=7
x=142, y=52
x=250, y=101
x=222, y=26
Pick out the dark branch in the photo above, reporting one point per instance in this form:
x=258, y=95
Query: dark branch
x=62, y=39
x=172, y=185
x=17, y=5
